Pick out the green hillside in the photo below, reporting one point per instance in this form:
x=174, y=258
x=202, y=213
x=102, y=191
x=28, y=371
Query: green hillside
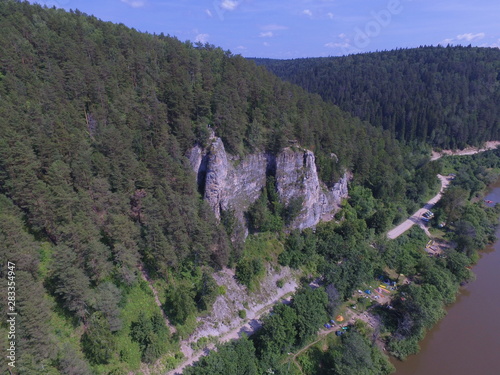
x=96, y=120
x=447, y=97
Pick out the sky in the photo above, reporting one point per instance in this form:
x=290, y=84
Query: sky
x=305, y=28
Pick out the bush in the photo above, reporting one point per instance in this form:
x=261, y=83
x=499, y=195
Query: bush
x=97, y=342
x=152, y=336
x=247, y=270
x=180, y=303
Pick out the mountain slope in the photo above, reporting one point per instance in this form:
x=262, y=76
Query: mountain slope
x=96, y=120
x=445, y=96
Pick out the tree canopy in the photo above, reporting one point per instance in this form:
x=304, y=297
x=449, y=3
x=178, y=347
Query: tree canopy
x=442, y=95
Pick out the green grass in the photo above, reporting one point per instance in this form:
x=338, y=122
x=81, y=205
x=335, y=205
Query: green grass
x=139, y=300
x=202, y=342
x=186, y=329
x=63, y=325
x=264, y=246
x=45, y=251
x=161, y=286
x=436, y=232
x=169, y=362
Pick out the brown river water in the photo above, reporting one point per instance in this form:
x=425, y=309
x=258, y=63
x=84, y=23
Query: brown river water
x=467, y=340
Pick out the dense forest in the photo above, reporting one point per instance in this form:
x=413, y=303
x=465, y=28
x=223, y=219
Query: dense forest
x=97, y=199
x=446, y=96
x=349, y=256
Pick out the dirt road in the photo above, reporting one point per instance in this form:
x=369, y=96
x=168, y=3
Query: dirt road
x=254, y=324
x=468, y=151
x=416, y=218
x=248, y=327
x=372, y=321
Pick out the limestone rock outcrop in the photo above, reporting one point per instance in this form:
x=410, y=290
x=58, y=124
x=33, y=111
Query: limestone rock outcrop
x=229, y=182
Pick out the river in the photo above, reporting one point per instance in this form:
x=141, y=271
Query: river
x=467, y=340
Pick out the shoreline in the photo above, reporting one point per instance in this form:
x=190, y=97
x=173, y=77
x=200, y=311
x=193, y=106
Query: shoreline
x=372, y=320
x=463, y=286
x=453, y=337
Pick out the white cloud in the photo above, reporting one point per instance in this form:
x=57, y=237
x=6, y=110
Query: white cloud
x=202, y=38
x=134, y=3
x=493, y=45
x=266, y=44
x=337, y=45
x=330, y=15
x=273, y=27
x=229, y=4
x=342, y=35
x=469, y=36
x=307, y=12
x=208, y=12
x=241, y=48
x=267, y=34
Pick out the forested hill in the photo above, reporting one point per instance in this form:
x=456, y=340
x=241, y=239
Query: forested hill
x=95, y=121
x=445, y=96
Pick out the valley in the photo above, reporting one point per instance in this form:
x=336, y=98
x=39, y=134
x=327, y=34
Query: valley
x=171, y=206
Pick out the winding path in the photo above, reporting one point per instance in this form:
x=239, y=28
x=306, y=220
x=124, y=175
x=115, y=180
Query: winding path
x=146, y=278
x=416, y=217
x=248, y=327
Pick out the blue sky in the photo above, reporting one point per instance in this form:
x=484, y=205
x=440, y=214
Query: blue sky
x=305, y=28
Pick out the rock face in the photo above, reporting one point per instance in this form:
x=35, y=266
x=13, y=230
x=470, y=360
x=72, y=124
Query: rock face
x=225, y=185
x=297, y=178
x=228, y=182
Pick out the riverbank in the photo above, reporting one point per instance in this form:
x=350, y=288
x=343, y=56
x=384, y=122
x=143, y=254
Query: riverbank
x=466, y=341
x=445, y=181
x=415, y=303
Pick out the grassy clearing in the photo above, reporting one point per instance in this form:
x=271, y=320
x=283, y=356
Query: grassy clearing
x=45, y=251
x=264, y=246
x=140, y=300
x=437, y=233
x=260, y=249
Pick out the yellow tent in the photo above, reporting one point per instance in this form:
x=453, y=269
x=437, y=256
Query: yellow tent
x=339, y=318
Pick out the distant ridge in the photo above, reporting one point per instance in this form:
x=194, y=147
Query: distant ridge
x=446, y=96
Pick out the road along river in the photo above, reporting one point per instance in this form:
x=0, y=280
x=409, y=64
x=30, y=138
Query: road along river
x=417, y=216
x=467, y=340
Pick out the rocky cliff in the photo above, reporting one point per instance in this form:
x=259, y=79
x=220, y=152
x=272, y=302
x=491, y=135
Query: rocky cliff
x=228, y=182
